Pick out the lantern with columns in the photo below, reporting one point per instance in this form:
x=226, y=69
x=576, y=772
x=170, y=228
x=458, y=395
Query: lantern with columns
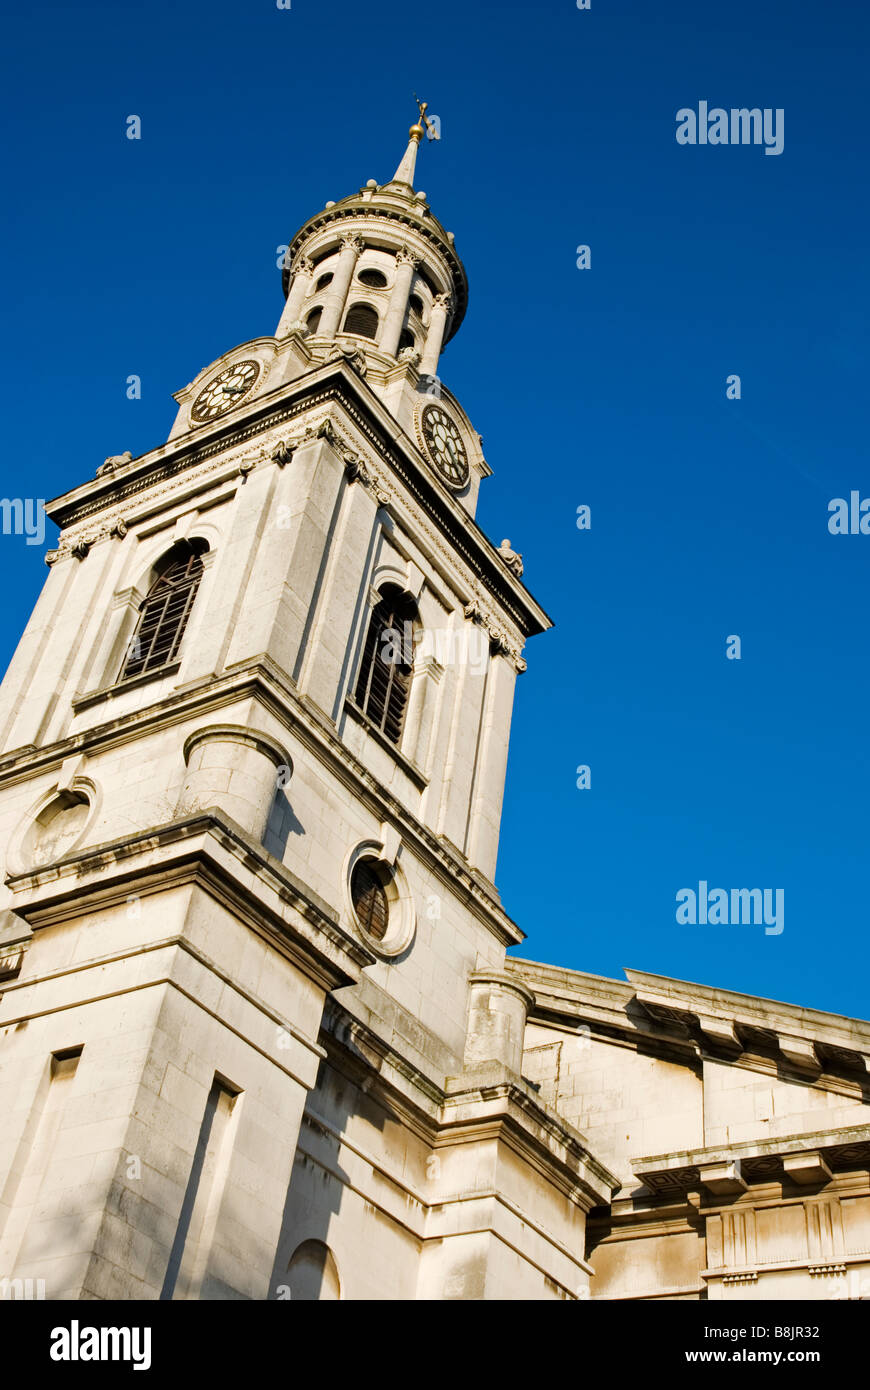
x=373, y=279
x=380, y=268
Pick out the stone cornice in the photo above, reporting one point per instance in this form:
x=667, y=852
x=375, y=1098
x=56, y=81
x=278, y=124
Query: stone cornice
x=215, y=854
x=477, y=1105
x=836, y=1031
x=729, y=1167
x=262, y=680
x=822, y=1049
x=361, y=1052
x=469, y=1108
x=334, y=383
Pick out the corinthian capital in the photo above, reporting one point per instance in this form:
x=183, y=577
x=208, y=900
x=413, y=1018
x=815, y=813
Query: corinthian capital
x=303, y=266
x=405, y=257
x=442, y=301
x=354, y=241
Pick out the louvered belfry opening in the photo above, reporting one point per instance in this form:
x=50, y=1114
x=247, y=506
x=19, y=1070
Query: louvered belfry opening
x=375, y=279
x=369, y=899
x=387, y=664
x=361, y=321
x=165, y=611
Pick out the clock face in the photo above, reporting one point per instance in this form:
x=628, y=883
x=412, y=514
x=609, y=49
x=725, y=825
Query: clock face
x=445, y=445
x=225, y=391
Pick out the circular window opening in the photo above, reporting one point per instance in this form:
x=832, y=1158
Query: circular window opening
x=368, y=893
x=416, y=305
x=375, y=279
x=324, y=281
x=379, y=900
x=58, y=827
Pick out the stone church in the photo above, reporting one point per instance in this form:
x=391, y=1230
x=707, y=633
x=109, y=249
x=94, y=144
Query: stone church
x=259, y=1034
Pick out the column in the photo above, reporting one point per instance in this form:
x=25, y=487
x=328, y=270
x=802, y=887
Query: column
x=435, y=336
x=420, y=716
x=485, y=818
x=300, y=284
x=464, y=719
x=406, y=264
x=336, y=296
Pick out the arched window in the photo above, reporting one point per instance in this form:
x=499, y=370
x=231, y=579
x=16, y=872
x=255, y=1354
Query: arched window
x=407, y=339
x=361, y=321
x=388, y=660
x=415, y=304
x=166, y=609
x=375, y=279
x=312, y=1274
x=312, y=323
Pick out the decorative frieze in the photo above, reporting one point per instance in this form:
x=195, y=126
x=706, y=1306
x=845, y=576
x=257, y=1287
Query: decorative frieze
x=215, y=458
x=502, y=643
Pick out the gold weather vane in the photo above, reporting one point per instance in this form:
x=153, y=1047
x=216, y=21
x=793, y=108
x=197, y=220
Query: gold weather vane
x=424, y=126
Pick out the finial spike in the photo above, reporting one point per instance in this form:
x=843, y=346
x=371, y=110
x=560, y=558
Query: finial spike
x=405, y=172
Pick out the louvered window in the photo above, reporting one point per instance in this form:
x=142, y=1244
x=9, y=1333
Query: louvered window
x=387, y=664
x=369, y=900
x=375, y=279
x=361, y=321
x=164, y=613
x=312, y=323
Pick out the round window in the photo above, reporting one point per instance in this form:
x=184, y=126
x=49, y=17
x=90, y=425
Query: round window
x=380, y=901
x=375, y=279
x=58, y=827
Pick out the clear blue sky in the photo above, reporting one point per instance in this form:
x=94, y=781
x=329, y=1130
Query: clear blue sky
x=604, y=387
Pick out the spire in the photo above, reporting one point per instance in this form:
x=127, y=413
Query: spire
x=405, y=172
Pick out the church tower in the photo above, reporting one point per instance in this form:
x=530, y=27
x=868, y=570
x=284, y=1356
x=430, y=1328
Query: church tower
x=257, y=1037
